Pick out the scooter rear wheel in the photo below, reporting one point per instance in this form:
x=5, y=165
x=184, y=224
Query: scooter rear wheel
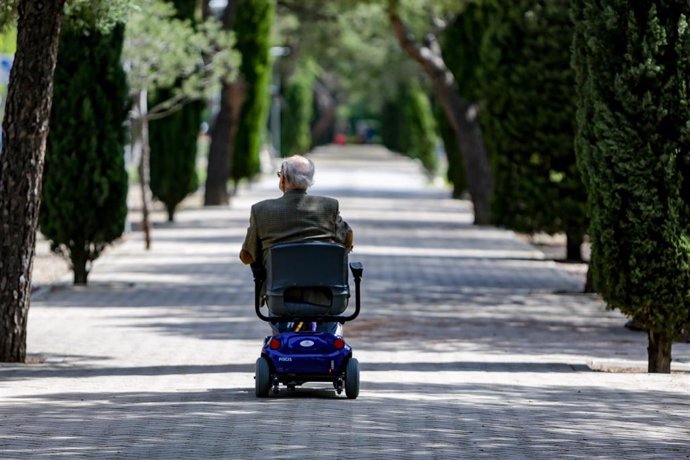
x=352, y=379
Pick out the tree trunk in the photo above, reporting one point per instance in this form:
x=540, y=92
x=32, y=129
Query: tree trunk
x=79, y=261
x=462, y=116
x=24, y=133
x=141, y=124
x=223, y=137
x=205, y=9
x=659, y=353
x=323, y=128
x=574, y=246
x=223, y=134
x=219, y=154
x=589, y=281
x=463, y=119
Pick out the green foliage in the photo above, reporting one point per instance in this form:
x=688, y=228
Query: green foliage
x=101, y=15
x=164, y=52
x=84, y=194
x=173, y=141
x=422, y=130
x=632, y=62
x=456, y=170
x=83, y=15
x=461, y=43
x=253, y=26
x=173, y=147
x=393, y=133
x=408, y=127
x=297, y=112
x=8, y=40
x=529, y=118
x=8, y=44
x=8, y=13
x=357, y=57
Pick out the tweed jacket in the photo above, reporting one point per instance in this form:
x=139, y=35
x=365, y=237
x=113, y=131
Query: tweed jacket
x=295, y=216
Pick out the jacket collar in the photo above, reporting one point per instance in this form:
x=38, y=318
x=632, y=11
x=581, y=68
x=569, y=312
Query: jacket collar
x=295, y=191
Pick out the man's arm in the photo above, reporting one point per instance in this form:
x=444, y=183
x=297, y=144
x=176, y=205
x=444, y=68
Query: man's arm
x=343, y=231
x=251, y=246
x=349, y=237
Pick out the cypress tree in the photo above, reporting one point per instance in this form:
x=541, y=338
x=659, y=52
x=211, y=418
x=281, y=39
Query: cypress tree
x=297, y=112
x=408, y=126
x=253, y=25
x=393, y=134
x=419, y=121
x=173, y=141
x=632, y=61
x=84, y=197
x=529, y=120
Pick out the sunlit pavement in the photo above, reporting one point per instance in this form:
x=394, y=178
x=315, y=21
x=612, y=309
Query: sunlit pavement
x=471, y=346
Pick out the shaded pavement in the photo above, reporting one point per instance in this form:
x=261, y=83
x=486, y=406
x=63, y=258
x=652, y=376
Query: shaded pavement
x=471, y=346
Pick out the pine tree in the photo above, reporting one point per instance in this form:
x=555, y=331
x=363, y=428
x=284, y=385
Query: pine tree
x=253, y=25
x=84, y=198
x=632, y=61
x=173, y=141
x=529, y=120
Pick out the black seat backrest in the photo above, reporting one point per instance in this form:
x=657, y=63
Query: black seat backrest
x=307, y=279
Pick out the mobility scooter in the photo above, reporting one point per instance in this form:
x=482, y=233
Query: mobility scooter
x=305, y=287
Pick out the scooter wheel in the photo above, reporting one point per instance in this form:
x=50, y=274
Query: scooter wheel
x=352, y=378
x=262, y=378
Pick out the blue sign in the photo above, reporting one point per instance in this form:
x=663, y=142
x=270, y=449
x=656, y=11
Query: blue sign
x=6, y=61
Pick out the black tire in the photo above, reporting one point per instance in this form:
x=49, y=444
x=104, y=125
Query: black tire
x=262, y=378
x=352, y=379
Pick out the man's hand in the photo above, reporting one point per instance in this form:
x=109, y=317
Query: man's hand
x=246, y=257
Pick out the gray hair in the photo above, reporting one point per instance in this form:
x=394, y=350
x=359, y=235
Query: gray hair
x=299, y=171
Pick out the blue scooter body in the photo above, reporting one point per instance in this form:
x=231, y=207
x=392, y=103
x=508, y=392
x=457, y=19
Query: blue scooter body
x=295, y=357
x=307, y=354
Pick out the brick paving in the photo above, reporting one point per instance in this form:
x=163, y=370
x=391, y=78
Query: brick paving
x=471, y=345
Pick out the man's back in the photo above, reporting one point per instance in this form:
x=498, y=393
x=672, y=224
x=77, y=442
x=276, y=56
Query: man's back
x=295, y=216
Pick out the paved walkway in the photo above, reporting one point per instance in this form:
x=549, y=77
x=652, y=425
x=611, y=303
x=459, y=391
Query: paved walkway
x=471, y=346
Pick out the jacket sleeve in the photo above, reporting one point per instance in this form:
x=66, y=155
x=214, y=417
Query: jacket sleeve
x=251, y=248
x=343, y=232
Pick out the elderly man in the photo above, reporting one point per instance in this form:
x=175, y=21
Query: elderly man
x=295, y=216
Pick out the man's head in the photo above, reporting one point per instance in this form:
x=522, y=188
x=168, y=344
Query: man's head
x=296, y=173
